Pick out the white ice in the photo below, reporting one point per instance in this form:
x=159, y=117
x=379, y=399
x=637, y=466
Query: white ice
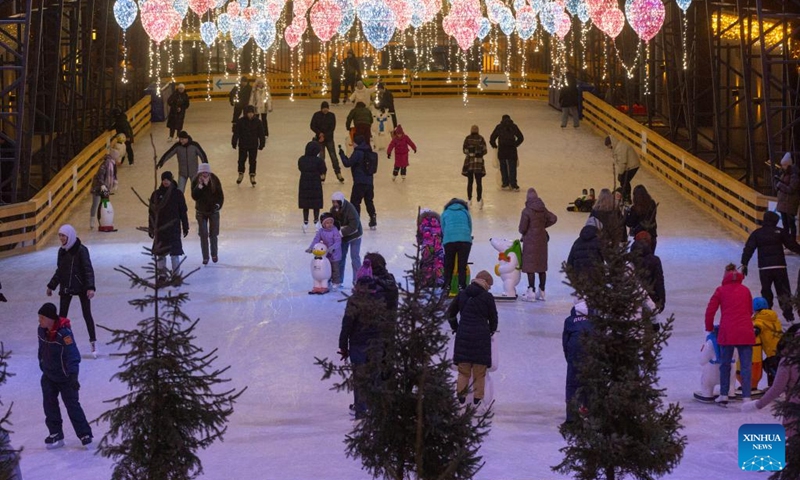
x=254, y=307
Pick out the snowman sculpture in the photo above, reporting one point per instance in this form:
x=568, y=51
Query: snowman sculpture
x=509, y=266
x=320, y=269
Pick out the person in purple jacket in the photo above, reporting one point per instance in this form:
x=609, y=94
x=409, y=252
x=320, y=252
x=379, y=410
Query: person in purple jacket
x=330, y=236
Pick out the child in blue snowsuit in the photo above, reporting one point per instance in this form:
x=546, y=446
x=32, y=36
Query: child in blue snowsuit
x=575, y=326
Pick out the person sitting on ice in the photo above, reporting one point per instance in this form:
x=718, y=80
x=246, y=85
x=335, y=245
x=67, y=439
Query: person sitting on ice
x=330, y=236
x=577, y=325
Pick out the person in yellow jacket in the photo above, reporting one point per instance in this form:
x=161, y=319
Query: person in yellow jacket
x=770, y=331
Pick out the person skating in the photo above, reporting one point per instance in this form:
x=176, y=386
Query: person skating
x=586, y=255
x=103, y=183
x=178, y=104
x=769, y=332
x=261, y=100
x=323, y=124
x=167, y=216
x=122, y=125
x=457, y=241
x=330, y=236
x=400, y=143
x=189, y=154
x=473, y=317
x=474, y=167
x=350, y=227
x=361, y=118
x=626, y=164
x=249, y=137
x=335, y=72
x=533, y=223
x=59, y=361
x=642, y=215
x=312, y=170
x=208, y=196
x=361, y=165
x=74, y=276
x=362, y=94
x=787, y=183
x=506, y=137
x=610, y=221
x=384, y=101
x=239, y=97
x=569, y=98
x=429, y=239
x=352, y=72
x=576, y=326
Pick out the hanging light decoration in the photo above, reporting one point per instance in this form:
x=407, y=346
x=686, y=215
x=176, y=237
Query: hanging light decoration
x=181, y=6
x=224, y=23
x=506, y=21
x=263, y=33
x=518, y=4
x=233, y=9
x=402, y=13
x=417, y=13
x=646, y=18
x=158, y=16
x=377, y=21
x=125, y=14
x=208, y=32
x=684, y=4
x=348, y=18
x=537, y=5
x=219, y=3
x=563, y=27
x=583, y=12
x=463, y=22
x=611, y=22
x=550, y=16
x=485, y=28
x=240, y=31
x=325, y=17
x=293, y=34
x=526, y=22
x=200, y=6
x=494, y=10
x=572, y=6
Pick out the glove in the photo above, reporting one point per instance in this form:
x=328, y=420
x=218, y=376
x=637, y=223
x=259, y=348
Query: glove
x=309, y=250
x=103, y=190
x=749, y=407
x=217, y=207
x=743, y=269
x=389, y=157
x=185, y=233
x=233, y=145
x=415, y=151
x=261, y=147
x=73, y=382
x=344, y=354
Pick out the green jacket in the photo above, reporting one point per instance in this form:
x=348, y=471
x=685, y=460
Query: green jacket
x=359, y=116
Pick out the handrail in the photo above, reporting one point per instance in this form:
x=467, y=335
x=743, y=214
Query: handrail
x=27, y=226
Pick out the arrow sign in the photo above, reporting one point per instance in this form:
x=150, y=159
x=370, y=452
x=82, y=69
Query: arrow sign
x=494, y=82
x=224, y=84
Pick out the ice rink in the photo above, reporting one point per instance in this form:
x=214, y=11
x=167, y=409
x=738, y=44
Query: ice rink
x=254, y=305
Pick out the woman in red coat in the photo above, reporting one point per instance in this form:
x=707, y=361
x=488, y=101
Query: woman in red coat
x=735, y=329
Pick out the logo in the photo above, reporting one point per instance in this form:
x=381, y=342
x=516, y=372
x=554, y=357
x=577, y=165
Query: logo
x=762, y=447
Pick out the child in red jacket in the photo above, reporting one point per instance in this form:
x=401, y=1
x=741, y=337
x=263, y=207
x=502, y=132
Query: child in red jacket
x=400, y=142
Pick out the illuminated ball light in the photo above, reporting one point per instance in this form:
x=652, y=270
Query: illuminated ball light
x=402, y=13
x=240, y=33
x=159, y=19
x=485, y=28
x=182, y=7
x=526, y=22
x=325, y=16
x=377, y=21
x=506, y=21
x=463, y=22
x=224, y=23
x=125, y=12
x=208, y=32
x=200, y=6
x=550, y=16
x=348, y=18
x=264, y=34
x=646, y=18
x=293, y=34
x=684, y=4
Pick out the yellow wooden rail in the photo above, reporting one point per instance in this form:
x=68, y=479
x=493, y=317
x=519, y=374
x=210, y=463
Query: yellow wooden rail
x=27, y=226
x=734, y=204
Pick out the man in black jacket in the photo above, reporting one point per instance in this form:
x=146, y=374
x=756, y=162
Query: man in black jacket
x=248, y=134
x=240, y=97
x=363, y=182
x=384, y=100
x=568, y=99
x=770, y=240
x=323, y=124
x=506, y=137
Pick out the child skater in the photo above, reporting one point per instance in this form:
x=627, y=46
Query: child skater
x=400, y=142
x=769, y=334
x=330, y=236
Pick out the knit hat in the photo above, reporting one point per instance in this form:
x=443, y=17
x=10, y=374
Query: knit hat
x=180, y=85
x=167, y=176
x=644, y=237
x=337, y=197
x=365, y=270
x=204, y=168
x=324, y=217
x=71, y=234
x=486, y=277
x=580, y=307
x=324, y=105
x=787, y=159
x=474, y=129
x=114, y=154
x=250, y=109
x=183, y=134
x=49, y=310
x=760, y=303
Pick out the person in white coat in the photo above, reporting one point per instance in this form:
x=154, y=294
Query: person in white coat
x=362, y=94
x=262, y=101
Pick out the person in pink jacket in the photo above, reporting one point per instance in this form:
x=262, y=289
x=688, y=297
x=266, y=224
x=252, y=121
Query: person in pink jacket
x=401, y=143
x=735, y=329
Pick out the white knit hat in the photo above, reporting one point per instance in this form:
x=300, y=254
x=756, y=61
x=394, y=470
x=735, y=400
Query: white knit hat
x=337, y=197
x=787, y=159
x=204, y=168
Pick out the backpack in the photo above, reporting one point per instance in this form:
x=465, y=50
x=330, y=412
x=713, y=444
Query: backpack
x=371, y=162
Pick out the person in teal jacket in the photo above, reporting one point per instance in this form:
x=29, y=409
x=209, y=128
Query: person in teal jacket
x=457, y=241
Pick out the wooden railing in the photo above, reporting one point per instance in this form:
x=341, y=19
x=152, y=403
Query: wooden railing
x=735, y=205
x=309, y=85
x=27, y=226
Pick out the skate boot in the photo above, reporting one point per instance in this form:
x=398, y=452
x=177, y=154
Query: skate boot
x=528, y=296
x=722, y=401
x=339, y=177
x=305, y=227
x=394, y=178
x=53, y=441
x=86, y=440
x=253, y=179
x=373, y=222
x=480, y=204
x=403, y=177
x=241, y=177
x=540, y=295
x=94, y=350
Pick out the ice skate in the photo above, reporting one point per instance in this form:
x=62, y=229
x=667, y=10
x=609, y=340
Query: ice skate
x=305, y=227
x=515, y=188
x=53, y=441
x=95, y=353
x=205, y=261
x=373, y=222
x=240, y=178
x=215, y=259
x=403, y=177
x=698, y=396
x=506, y=187
x=480, y=204
x=540, y=295
x=528, y=296
x=169, y=139
x=339, y=177
x=253, y=179
x=394, y=178
x=335, y=287
x=86, y=440
x=722, y=401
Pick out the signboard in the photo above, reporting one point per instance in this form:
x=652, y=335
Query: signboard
x=494, y=81
x=222, y=84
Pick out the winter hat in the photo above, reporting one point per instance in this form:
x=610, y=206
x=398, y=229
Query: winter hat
x=399, y=130
x=324, y=217
x=474, y=130
x=72, y=235
x=324, y=105
x=486, y=278
x=532, y=195
x=49, y=310
x=204, y=168
x=644, y=237
x=183, y=134
x=359, y=139
x=167, y=176
x=359, y=84
x=180, y=85
x=770, y=218
x=377, y=262
x=114, y=154
x=250, y=109
x=787, y=159
x=581, y=308
x=506, y=118
x=338, y=197
x=365, y=271
x=760, y=303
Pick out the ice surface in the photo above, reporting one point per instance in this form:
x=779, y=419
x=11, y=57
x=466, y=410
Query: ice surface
x=254, y=307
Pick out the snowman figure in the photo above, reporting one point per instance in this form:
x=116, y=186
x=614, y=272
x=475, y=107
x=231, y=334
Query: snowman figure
x=709, y=378
x=508, y=267
x=320, y=269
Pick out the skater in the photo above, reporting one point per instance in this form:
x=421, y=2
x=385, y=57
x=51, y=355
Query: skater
x=168, y=215
x=586, y=255
x=533, y=224
x=178, y=103
x=626, y=164
x=352, y=72
x=239, y=97
x=249, y=136
x=770, y=240
x=384, y=101
x=647, y=267
x=576, y=326
x=401, y=143
x=641, y=217
x=429, y=239
x=363, y=163
x=506, y=137
x=323, y=124
x=362, y=94
x=350, y=227
x=103, y=182
x=569, y=98
x=74, y=276
x=261, y=100
x=473, y=318
x=123, y=126
x=769, y=332
x=59, y=361
x=208, y=196
x=329, y=235
x=312, y=171
x=735, y=329
x=457, y=241
x=335, y=72
x=474, y=168
x=787, y=183
x=361, y=118
x=609, y=215
x=189, y=154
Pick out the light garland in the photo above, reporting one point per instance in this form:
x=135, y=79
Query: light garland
x=125, y=12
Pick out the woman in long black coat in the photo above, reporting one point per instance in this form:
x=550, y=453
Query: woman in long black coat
x=312, y=174
x=178, y=103
x=168, y=216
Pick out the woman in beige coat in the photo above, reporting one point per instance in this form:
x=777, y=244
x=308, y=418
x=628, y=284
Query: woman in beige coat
x=262, y=100
x=534, y=221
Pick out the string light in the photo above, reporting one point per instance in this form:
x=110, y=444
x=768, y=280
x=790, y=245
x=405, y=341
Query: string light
x=647, y=69
x=584, y=34
x=684, y=30
x=632, y=69
x=125, y=12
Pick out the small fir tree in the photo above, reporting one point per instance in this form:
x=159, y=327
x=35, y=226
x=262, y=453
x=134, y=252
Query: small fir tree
x=9, y=458
x=788, y=411
x=413, y=427
x=624, y=428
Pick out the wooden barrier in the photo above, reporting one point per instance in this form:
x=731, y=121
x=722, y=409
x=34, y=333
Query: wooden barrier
x=735, y=205
x=27, y=226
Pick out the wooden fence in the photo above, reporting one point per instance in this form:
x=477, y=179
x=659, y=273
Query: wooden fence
x=735, y=205
x=27, y=226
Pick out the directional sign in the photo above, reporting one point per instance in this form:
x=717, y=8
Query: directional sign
x=222, y=84
x=494, y=81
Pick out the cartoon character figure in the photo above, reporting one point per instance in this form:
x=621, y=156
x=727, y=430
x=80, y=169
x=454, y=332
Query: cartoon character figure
x=105, y=213
x=383, y=137
x=709, y=378
x=320, y=269
x=509, y=267
x=118, y=143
